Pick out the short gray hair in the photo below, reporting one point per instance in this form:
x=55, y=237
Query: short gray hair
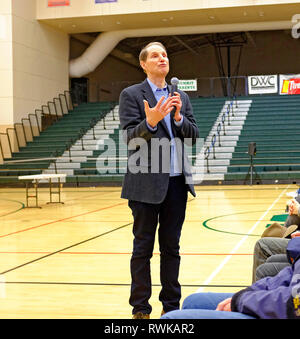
x=144, y=52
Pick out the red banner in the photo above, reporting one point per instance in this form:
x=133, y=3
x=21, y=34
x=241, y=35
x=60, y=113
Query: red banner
x=290, y=84
x=53, y=3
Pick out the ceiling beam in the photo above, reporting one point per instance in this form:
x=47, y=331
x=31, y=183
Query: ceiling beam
x=185, y=45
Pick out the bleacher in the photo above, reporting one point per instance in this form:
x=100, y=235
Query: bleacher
x=272, y=123
x=206, y=112
x=39, y=155
x=79, y=143
x=107, y=159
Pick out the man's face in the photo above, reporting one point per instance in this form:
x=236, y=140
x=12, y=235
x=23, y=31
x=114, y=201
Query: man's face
x=157, y=62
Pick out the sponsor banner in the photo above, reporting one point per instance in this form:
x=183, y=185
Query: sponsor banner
x=262, y=84
x=53, y=3
x=187, y=85
x=289, y=84
x=103, y=1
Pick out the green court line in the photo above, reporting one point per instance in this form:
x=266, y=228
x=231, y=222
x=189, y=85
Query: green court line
x=15, y=211
x=228, y=215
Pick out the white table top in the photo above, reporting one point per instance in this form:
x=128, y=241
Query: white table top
x=41, y=176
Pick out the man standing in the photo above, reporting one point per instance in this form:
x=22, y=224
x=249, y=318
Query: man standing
x=150, y=114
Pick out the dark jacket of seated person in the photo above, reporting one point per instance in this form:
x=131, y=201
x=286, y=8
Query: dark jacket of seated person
x=275, y=297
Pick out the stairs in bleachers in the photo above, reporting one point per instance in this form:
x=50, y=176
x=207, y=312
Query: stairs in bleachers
x=224, y=135
x=206, y=111
x=91, y=159
x=95, y=169
x=273, y=123
x=91, y=153
x=52, y=142
x=94, y=157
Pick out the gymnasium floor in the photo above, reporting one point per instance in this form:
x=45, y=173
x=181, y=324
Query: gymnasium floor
x=71, y=260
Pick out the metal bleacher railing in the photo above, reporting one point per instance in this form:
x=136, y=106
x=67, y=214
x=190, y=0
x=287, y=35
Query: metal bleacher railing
x=24, y=131
x=221, y=126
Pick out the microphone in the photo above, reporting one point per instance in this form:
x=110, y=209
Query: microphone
x=174, y=83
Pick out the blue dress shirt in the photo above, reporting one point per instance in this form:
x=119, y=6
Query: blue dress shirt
x=175, y=169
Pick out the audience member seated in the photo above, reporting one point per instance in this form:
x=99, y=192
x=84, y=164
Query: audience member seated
x=274, y=241
x=275, y=297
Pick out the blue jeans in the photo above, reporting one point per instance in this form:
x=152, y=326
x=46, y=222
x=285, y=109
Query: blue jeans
x=203, y=306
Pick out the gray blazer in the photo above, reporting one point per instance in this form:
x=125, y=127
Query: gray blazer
x=142, y=184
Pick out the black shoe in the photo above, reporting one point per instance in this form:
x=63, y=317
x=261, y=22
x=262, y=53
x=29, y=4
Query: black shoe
x=140, y=315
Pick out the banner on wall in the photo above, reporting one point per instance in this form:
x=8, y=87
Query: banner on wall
x=262, y=84
x=103, y=1
x=188, y=85
x=289, y=84
x=53, y=3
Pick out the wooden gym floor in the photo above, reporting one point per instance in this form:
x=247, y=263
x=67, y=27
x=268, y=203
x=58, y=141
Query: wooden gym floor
x=71, y=260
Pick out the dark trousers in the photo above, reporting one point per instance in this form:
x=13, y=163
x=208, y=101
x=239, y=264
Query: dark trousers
x=170, y=215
